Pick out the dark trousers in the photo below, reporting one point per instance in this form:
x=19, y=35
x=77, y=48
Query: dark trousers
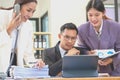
x=14, y=61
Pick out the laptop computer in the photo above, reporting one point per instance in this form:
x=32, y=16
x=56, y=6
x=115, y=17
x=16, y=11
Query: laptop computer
x=80, y=66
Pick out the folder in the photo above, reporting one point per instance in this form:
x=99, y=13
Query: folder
x=106, y=53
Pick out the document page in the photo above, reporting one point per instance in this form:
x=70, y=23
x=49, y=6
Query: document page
x=21, y=72
x=106, y=53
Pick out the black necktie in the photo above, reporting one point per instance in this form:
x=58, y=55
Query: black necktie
x=65, y=53
x=13, y=57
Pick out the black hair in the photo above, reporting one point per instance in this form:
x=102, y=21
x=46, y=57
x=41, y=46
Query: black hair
x=69, y=26
x=96, y=4
x=20, y=2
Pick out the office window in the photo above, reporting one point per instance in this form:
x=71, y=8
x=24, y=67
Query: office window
x=45, y=28
x=35, y=23
x=110, y=8
x=113, y=12
x=44, y=23
x=110, y=11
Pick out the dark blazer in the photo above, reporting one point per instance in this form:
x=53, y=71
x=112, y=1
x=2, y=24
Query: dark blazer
x=52, y=57
x=109, y=39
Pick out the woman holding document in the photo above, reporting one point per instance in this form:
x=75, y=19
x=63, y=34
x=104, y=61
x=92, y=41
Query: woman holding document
x=100, y=32
x=13, y=19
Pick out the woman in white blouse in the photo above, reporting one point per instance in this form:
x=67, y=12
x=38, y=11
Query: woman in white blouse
x=9, y=22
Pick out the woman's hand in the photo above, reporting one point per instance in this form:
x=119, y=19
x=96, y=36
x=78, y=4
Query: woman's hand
x=39, y=64
x=105, y=62
x=14, y=23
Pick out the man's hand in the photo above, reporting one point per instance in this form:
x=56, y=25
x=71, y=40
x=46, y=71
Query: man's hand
x=92, y=52
x=73, y=51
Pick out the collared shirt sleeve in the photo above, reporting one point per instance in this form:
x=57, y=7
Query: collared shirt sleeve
x=4, y=37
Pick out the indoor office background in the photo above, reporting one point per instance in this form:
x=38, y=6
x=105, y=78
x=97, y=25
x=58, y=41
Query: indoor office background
x=50, y=15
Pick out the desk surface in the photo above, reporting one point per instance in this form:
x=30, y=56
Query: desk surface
x=59, y=78
x=94, y=78
x=98, y=78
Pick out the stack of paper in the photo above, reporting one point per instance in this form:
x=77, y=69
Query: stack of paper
x=21, y=72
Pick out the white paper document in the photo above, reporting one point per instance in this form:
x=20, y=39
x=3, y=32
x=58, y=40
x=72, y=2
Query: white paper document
x=21, y=72
x=106, y=53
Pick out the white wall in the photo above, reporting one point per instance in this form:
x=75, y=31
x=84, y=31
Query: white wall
x=63, y=11
x=6, y=3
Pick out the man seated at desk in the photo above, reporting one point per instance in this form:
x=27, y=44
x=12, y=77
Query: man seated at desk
x=53, y=56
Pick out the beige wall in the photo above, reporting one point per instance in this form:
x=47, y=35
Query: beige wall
x=63, y=11
x=6, y=3
x=59, y=12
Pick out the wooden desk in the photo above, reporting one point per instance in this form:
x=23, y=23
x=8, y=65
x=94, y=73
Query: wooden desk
x=93, y=78
x=60, y=78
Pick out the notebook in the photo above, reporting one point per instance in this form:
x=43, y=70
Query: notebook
x=80, y=66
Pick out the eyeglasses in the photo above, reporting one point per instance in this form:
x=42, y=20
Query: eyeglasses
x=66, y=37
